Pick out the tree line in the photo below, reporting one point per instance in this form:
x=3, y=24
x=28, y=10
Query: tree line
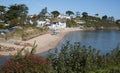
x=19, y=13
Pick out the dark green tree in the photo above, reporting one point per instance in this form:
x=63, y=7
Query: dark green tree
x=2, y=12
x=55, y=13
x=84, y=14
x=96, y=14
x=104, y=17
x=69, y=12
x=17, y=11
x=118, y=21
x=2, y=9
x=111, y=19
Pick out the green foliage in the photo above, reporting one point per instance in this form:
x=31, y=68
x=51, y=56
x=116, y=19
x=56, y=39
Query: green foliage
x=74, y=58
x=55, y=13
x=69, y=12
x=85, y=15
x=104, y=17
x=2, y=9
x=17, y=11
x=118, y=21
x=17, y=22
x=2, y=12
x=2, y=26
x=27, y=63
x=71, y=23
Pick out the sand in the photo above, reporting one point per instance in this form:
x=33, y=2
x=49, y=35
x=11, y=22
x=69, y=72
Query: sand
x=44, y=42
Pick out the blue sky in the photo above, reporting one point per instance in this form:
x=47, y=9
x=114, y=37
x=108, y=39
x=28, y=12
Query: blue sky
x=102, y=7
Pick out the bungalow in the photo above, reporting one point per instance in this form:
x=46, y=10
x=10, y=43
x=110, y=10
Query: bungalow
x=62, y=16
x=40, y=23
x=57, y=25
x=80, y=22
x=28, y=22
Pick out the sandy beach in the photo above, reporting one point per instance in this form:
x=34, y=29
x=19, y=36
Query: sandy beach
x=44, y=42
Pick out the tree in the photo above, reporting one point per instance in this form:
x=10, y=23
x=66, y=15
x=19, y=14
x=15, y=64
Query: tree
x=104, y=17
x=69, y=12
x=71, y=23
x=2, y=12
x=96, y=14
x=118, y=21
x=111, y=19
x=23, y=10
x=43, y=12
x=17, y=11
x=84, y=14
x=55, y=13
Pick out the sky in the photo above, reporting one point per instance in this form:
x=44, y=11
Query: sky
x=92, y=7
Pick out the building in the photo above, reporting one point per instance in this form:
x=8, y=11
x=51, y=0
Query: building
x=62, y=16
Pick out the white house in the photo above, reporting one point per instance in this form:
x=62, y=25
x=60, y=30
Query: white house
x=57, y=25
x=40, y=23
x=28, y=22
x=62, y=16
x=80, y=22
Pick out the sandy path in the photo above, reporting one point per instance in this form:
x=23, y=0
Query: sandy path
x=47, y=41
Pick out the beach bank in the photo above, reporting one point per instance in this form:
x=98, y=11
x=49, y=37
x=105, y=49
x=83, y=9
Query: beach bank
x=44, y=42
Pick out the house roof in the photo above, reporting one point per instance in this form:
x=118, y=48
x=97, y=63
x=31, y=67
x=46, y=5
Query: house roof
x=57, y=20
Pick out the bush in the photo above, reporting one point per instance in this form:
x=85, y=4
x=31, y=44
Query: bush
x=71, y=23
x=74, y=58
x=28, y=63
x=2, y=26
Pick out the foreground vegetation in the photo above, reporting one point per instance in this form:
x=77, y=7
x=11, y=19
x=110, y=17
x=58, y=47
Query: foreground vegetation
x=73, y=58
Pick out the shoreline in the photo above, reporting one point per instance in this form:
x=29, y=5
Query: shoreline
x=44, y=42
x=48, y=41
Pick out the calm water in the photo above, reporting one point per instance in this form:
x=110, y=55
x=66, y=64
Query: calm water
x=103, y=40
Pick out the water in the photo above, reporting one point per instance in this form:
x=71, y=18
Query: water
x=3, y=59
x=103, y=40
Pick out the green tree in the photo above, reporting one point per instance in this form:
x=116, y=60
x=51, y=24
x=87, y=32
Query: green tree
x=2, y=12
x=69, y=12
x=71, y=23
x=118, y=21
x=2, y=9
x=104, y=17
x=55, y=13
x=84, y=14
x=96, y=14
x=17, y=11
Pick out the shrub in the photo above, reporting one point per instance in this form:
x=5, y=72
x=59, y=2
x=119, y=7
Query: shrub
x=71, y=23
x=28, y=63
x=74, y=58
